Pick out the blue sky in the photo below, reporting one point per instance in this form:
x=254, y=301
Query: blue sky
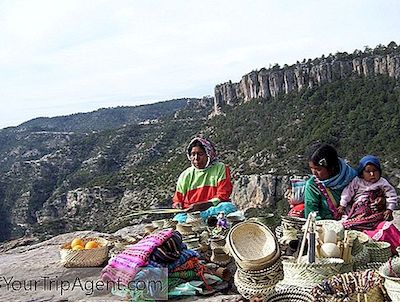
x=59, y=57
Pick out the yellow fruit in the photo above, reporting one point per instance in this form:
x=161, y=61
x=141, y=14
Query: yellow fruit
x=91, y=245
x=77, y=247
x=77, y=241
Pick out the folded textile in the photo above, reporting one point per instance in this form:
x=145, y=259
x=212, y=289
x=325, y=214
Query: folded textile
x=123, y=268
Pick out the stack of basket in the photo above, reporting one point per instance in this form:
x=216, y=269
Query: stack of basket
x=257, y=256
x=307, y=275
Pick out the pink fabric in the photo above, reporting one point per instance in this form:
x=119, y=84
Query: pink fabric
x=358, y=189
x=124, y=267
x=388, y=232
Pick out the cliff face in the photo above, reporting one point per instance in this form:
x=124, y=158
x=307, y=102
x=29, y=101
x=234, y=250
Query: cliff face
x=269, y=83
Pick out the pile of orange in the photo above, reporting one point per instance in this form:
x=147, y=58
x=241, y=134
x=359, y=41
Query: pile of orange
x=78, y=244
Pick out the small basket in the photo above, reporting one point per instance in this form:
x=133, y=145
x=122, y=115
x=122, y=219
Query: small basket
x=252, y=244
x=308, y=275
x=268, y=276
x=392, y=282
x=250, y=290
x=289, y=294
x=85, y=258
x=293, y=222
x=359, y=240
x=379, y=251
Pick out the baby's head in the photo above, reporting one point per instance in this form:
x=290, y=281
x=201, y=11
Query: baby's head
x=369, y=168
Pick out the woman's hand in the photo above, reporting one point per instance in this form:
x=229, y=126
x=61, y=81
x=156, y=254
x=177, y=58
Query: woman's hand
x=341, y=210
x=388, y=215
x=177, y=206
x=200, y=206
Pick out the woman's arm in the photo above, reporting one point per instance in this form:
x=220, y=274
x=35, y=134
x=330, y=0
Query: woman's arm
x=312, y=199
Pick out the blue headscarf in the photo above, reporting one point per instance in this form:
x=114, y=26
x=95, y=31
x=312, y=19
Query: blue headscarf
x=368, y=159
x=340, y=180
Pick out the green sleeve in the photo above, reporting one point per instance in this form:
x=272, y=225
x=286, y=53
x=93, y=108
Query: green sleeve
x=312, y=198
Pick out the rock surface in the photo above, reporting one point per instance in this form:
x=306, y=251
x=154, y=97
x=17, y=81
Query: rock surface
x=34, y=273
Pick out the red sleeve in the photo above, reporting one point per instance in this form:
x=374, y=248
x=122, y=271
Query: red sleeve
x=177, y=199
x=224, y=187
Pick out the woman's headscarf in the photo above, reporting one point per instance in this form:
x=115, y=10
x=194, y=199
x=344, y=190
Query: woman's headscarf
x=208, y=147
x=340, y=180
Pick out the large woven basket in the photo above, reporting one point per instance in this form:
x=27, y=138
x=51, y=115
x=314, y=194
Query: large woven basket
x=351, y=287
x=308, y=275
x=359, y=240
x=379, y=251
x=252, y=245
x=85, y=258
x=249, y=290
x=267, y=276
x=360, y=259
x=289, y=294
x=388, y=271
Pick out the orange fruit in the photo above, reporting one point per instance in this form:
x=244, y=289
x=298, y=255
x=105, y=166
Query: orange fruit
x=77, y=241
x=91, y=245
x=77, y=247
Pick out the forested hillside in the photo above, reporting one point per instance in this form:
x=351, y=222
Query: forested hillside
x=86, y=171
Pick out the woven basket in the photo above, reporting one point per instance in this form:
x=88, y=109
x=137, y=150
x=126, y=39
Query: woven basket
x=351, y=287
x=85, y=258
x=388, y=271
x=360, y=259
x=308, y=275
x=379, y=251
x=250, y=290
x=268, y=276
x=293, y=222
x=289, y=294
x=252, y=244
x=359, y=240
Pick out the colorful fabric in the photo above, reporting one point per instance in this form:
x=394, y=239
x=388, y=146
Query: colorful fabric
x=194, y=264
x=186, y=275
x=297, y=210
x=170, y=250
x=366, y=214
x=185, y=256
x=297, y=191
x=359, y=189
x=315, y=200
x=339, y=181
x=330, y=199
x=199, y=185
x=388, y=232
x=123, y=268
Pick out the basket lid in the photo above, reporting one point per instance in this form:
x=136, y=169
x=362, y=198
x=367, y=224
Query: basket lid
x=252, y=241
